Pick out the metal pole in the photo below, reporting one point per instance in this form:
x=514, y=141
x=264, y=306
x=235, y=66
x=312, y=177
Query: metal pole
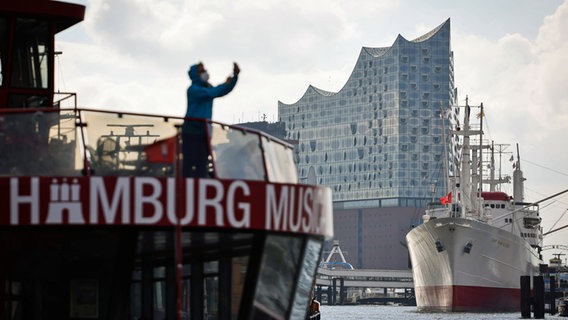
x=178, y=231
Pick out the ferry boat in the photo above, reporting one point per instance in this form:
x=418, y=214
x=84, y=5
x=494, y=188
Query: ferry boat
x=471, y=250
x=97, y=222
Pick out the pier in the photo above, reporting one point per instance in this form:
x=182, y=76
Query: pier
x=338, y=283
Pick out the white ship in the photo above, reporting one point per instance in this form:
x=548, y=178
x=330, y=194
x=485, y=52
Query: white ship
x=469, y=253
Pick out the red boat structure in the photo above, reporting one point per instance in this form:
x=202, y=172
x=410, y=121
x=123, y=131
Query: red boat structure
x=97, y=221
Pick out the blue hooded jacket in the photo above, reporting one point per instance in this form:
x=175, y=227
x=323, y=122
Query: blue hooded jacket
x=200, y=94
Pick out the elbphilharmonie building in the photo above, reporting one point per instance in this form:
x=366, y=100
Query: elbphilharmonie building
x=380, y=143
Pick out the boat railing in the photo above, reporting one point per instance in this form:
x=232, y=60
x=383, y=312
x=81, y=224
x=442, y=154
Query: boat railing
x=62, y=100
x=84, y=142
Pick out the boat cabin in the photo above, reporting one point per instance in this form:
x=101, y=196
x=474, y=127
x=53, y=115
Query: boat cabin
x=98, y=222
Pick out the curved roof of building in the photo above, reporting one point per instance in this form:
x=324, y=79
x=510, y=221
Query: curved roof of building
x=431, y=33
x=323, y=92
x=314, y=90
x=375, y=53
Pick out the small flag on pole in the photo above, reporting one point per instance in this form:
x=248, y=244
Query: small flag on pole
x=161, y=151
x=446, y=199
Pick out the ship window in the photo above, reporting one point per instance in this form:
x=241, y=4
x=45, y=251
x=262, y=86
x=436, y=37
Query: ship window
x=28, y=101
x=531, y=223
x=12, y=296
x=309, y=264
x=279, y=161
x=281, y=257
x=159, y=291
x=30, y=59
x=3, y=46
x=239, y=156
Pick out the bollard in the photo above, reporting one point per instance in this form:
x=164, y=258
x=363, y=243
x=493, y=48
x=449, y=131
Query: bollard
x=525, y=297
x=553, y=309
x=334, y=296
x=342, y=292
x=538, y=286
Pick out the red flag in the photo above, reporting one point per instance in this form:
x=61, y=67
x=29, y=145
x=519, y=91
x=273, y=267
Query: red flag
x=446, y=199
x=161, y=151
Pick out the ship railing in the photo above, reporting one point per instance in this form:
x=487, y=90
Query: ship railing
x=65, y=100
x=84, y=142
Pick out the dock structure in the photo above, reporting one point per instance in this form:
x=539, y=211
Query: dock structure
x=366, y=278
x=337, y=282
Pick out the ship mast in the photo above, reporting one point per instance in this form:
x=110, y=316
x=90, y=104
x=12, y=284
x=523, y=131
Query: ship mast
x=518, y=180
x=469, y=179
x=480, y=166
x=494, y=182
x=477, y=167
x=492, y=168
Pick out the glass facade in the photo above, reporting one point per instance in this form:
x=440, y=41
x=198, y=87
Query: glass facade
x=381, y=138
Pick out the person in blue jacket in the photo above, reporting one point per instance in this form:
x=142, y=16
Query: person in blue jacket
x=195, y=131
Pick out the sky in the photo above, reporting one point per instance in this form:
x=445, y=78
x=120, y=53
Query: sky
x=510, y=55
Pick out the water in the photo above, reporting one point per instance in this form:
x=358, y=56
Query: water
x=404, y=313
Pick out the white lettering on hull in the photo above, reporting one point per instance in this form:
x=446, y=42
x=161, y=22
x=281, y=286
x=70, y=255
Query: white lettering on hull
x=281, y=214
x=17, y=199
x=165, y=201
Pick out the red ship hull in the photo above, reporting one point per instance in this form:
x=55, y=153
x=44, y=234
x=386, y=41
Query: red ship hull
x=469, y=298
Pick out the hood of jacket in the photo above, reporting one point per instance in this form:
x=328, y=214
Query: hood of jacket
x=193, y=74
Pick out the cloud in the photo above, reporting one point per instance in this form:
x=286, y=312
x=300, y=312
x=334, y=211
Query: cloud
x=553, y=43
x=520, y=81
x=273, y=34
x=513, y=60
x=104, y=79
x=284, y=46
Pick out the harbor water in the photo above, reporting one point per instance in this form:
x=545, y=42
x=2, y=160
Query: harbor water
x=403, y=313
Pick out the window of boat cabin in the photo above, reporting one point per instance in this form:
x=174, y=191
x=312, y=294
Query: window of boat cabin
x=3, y=45
x=212, y=278
x=31, y=54
x=308, y=267
x=274, y=289
x=30, y=63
